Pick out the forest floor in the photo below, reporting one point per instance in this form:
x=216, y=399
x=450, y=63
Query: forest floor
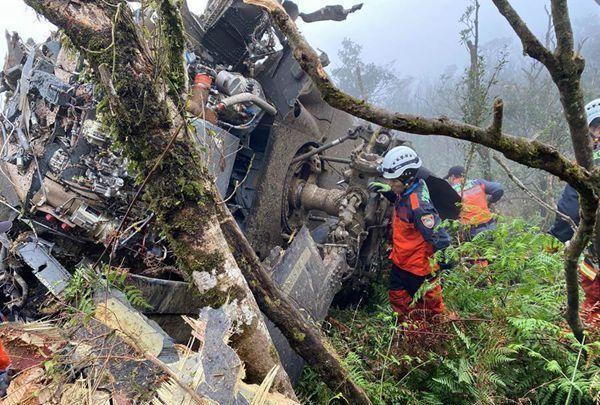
x=504, y=342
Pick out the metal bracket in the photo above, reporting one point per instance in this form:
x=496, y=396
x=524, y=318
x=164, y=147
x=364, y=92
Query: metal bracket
x=45, y=267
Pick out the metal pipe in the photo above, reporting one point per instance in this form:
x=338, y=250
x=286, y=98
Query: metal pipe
x=249, y=97
x=321, y=148
x=336, y=159
x=3, y=251
x=23, y=140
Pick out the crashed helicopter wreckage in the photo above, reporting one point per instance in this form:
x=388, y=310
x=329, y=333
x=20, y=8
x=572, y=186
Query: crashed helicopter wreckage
x=292, y=170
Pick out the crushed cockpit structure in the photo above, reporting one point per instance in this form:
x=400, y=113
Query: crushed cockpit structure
x=292, y=170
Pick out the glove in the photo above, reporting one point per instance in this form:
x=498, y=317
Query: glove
x=444, y=266
x=378, y=187
x=444, y=262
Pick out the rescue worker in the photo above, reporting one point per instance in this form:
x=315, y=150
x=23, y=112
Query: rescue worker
x=476, y=195
x=4, y=365
x=4, y=358
x=569, y=205
x=416, y=232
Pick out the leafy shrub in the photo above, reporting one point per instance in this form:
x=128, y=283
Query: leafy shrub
x=509, y=344
x=85, y=280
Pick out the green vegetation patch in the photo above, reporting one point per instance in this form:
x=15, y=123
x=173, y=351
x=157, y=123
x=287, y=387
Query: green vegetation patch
x=506, y=341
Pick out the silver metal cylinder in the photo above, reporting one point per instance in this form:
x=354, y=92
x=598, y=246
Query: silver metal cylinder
x=313, y=197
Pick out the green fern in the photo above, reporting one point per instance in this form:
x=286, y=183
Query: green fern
x=511, y=346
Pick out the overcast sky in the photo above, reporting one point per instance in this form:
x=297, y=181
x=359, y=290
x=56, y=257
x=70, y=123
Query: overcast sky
x=421, y=36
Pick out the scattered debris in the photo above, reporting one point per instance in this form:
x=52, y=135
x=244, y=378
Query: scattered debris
x=262, y=129
x=99, y=367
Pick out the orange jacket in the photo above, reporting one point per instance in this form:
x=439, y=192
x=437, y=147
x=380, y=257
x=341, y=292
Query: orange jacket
x=475, y=210
x=4, y=359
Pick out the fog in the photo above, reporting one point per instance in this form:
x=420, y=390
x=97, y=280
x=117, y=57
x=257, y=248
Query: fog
x=421, y=36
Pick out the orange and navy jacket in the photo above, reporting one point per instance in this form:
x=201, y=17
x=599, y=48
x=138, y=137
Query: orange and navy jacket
x=475, y=210
x=4, y=359
x=416, y=231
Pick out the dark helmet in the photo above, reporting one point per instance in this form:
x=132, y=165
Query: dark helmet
x=455, y=171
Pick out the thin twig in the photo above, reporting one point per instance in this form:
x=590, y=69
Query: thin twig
x=239, y=184
x=387, y=354
x=575, y=372
x=141, y=188
x=537, y=199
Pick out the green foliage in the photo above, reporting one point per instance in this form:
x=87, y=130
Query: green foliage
x=79, y=293
x=508, y=345
x=115, y=277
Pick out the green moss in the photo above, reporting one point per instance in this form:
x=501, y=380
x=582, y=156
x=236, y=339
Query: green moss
x=273, y=352
x=299, y=336
x=172, y=31
x=213, y=298
x=141, y=127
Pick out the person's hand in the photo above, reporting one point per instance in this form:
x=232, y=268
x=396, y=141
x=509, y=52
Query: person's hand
x=446, y=265
x=379, y=187
x=444, y=262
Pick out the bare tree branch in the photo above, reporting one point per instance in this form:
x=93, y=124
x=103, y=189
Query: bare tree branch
x=303, y=337
x=573, y=251
x=529, y=153
x=535, y=198
x=562, y=28
x=565, y=68
x=531, y=45
x=498, y=116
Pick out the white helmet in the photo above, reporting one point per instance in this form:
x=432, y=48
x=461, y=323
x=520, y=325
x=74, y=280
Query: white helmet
x=400, y=161
x=593, y=110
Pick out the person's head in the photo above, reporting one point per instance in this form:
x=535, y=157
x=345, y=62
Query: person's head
x=399, y=168
x=592, y=111
x=455, y=174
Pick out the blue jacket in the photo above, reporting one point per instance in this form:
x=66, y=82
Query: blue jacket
x=569, y=205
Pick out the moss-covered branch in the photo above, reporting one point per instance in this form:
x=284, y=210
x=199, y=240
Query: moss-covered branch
x=172, y=31
x=302, y=336
x=143, y=121
x=565, y=71
x=565, y=67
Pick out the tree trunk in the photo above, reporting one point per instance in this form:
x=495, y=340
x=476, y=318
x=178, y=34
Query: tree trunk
x=179, y=190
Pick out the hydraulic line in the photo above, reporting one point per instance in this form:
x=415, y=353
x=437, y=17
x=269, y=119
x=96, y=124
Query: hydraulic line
x=249, y=97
